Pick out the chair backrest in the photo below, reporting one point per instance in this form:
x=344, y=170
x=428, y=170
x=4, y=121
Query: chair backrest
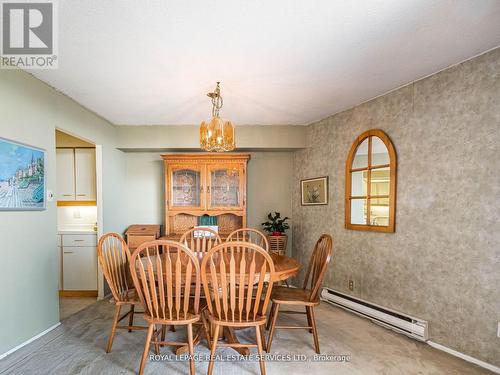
x=249, y=235
x=114, y=256
x=200, y=244
x=318, y=263
x=164, y=274
x=233, y=276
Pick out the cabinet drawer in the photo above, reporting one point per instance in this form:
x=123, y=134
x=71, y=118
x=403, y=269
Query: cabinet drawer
x=134, y=241
x=79, y=268
x=79, y=240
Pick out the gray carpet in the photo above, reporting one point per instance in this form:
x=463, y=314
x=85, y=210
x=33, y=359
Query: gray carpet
x=77, y=347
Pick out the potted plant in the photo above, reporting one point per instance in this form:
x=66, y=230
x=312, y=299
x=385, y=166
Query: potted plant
x=276, y=226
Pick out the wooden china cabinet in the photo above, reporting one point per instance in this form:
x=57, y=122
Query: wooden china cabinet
x=205, y=184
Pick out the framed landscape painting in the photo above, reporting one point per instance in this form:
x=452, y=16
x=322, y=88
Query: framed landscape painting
x=314, y=191
x=22, y=177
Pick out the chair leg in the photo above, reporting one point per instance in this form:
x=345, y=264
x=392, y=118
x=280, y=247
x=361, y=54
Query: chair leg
x=309, y=323
x=263, y=336
x=315, y=331
x=157, y=346
x=131, y=317
x=273, y=326
x=215, y=338
x=206, y=328
x=163, y=332
x=258, y=333
x=268, y=325
x=191, y=348
x=113, y=328
x=146, y=348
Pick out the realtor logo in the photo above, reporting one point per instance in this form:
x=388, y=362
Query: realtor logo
x=28, y=35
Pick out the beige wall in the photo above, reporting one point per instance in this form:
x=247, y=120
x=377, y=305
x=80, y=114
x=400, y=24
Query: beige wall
x=443, y=262
x=269, y=189
x=269, y=176
x=66, y=140
x=30, y=112
x=264, y=137
x=144, y=188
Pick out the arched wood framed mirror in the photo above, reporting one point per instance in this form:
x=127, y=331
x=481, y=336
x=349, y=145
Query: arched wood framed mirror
x=370, y=186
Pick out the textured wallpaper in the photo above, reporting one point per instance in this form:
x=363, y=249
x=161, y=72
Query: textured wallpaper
x=443, y=262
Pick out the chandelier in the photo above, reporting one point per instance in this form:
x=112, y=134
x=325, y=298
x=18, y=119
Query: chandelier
x=217, y=134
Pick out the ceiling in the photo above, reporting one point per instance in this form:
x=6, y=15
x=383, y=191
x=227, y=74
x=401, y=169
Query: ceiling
x=279, y=62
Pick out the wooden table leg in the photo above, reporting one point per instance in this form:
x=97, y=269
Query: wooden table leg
x=232, y=339
x=196, y=340
x=228, y=335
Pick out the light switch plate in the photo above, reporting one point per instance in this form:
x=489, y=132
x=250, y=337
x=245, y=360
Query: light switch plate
x=498, y=330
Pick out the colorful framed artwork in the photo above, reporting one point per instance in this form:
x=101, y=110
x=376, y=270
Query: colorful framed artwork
x=314, y=191
x=22, y=177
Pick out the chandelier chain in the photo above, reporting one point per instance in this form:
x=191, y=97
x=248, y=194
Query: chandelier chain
x=217, y=134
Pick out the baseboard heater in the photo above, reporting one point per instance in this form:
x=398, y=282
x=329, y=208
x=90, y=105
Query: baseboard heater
x=402, y=323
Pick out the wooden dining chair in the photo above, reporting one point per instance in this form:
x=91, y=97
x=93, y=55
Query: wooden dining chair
x=200, y=244
x=164, y=272
x=113, y=255
x=249, y=235
x=233, y=276
x=307, y=296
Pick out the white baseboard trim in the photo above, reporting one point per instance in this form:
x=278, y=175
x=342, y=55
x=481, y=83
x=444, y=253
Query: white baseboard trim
x=465, y=357
x=30, y=340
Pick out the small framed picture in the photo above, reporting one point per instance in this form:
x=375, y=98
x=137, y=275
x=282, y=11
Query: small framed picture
x=314, y=191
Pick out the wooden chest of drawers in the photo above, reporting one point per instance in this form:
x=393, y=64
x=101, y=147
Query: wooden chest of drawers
x=138, y=234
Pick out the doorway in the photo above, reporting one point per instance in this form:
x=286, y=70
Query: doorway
x=77, y=222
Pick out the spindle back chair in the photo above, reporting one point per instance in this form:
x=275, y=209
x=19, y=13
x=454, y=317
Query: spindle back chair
x=249, y=235
x=307, y=296
x=114, y=255
x=238, y=280
x=165, y=273
x=200, y=240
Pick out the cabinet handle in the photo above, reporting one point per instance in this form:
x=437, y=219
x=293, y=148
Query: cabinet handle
x=68, y=252
x=82, y=195
x=201, y=189
x=78, y=240
x=208, y=189
x=67, y=195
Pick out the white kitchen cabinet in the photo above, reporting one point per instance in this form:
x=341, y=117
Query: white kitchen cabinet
x=79, y=262
x=85, y=186
x=65, y=162
x=76, y=179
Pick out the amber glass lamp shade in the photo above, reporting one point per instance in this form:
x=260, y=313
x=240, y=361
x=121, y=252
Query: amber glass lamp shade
x=217, y=135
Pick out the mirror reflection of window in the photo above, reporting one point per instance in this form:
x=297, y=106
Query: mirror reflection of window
x=370, y=183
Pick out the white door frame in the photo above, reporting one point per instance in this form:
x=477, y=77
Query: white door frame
x=99, y=201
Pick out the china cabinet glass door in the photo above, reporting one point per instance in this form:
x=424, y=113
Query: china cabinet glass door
x=225, y=186
x=186, y=187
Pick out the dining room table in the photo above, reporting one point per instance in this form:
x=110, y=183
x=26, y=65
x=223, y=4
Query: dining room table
x=285, y=267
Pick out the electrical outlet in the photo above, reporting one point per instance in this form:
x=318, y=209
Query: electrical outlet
x=351, y=285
